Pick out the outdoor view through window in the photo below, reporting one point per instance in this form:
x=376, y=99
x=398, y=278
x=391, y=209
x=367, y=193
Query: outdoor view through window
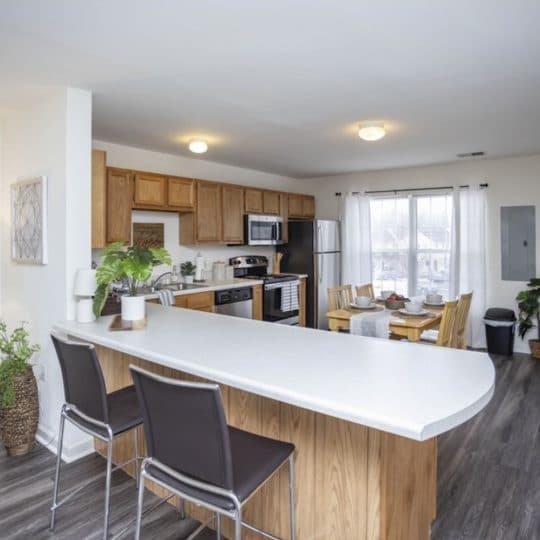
x=411, y=244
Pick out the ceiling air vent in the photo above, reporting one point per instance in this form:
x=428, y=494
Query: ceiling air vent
x=470, y=154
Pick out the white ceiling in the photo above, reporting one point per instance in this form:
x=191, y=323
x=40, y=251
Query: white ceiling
x=281, y=85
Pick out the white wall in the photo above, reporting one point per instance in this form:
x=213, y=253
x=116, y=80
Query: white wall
x=52, y=138
x=146, y=160
x=512, y=182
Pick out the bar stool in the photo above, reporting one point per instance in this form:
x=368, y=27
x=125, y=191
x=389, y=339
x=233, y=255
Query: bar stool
x=198, y=456
x=90, y=408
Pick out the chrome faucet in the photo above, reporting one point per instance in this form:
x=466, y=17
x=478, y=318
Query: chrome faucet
x=156, y=281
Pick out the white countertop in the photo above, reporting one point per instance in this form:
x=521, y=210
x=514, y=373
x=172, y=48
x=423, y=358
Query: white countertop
x=417, y=391
x=208, y=286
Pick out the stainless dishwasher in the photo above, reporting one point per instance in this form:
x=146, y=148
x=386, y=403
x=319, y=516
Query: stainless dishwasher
x=235, y=302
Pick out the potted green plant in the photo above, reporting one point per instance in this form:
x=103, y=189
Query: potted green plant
x=19, y=406
x=187, y=269
x=529, y=312
x=134, y=265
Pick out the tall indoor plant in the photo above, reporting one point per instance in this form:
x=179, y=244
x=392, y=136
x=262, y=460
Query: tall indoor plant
x=529, y=311
x=134, y=265
x=19, y=407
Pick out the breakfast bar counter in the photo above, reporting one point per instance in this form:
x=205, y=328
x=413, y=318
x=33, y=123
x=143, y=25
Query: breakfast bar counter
x=363, y=413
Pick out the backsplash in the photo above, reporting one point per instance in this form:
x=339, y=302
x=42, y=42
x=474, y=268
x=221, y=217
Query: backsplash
x=180, y=253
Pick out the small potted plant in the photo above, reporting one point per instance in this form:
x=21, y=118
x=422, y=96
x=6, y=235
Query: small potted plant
x=134, y=265
x=19, y=406
x=528, y=312
x=187, y=269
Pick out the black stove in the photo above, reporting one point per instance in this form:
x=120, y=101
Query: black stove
x=270, y=278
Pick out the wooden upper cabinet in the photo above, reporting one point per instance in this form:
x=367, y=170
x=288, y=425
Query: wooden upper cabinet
x=271, y=202
x=301, y=206
x=208, y=212
x=119, y=202
x=296, y=206
x=253, y=201
x=308, y=206
x=181, y=193
x=284, y=213
x=233, y=214
x=150, y=190
x=99, y=199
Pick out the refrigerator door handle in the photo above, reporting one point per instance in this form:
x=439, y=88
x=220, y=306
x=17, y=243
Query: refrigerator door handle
x=321, y=270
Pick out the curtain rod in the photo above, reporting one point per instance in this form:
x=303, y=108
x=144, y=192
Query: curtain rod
x=339, y=194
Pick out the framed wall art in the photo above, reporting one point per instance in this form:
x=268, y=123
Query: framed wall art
x=29, y=221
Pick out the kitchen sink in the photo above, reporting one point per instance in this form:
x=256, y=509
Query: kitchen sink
x=179, y=286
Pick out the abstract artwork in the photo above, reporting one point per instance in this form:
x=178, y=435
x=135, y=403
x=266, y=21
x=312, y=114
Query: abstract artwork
x=149, y=235
x=29, y=221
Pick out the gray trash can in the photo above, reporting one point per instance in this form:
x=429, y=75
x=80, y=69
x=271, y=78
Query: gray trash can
x=500, y=330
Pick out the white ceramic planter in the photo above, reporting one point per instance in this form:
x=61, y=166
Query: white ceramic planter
x=188, y=279
x=133, y=308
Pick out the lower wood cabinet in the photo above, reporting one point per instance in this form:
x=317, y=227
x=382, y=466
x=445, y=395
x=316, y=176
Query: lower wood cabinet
x=119, y=203
x=203, y=301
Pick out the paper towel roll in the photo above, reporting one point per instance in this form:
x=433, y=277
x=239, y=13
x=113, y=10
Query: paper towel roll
x=199, y=263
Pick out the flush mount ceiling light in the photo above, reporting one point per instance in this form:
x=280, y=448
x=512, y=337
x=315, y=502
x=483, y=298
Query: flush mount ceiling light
x=371, y=132
x=198, y=146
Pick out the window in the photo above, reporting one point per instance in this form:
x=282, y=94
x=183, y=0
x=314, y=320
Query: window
x=411, y=244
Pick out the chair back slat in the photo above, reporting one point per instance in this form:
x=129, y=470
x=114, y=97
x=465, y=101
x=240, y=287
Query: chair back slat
x=339, y=297
x=448, y=324
x=185, y=426
x=365, y=290
x=84, y=385
x=462, y=316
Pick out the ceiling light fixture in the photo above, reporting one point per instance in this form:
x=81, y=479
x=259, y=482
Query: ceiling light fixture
x=371, y=132
x=198, y=146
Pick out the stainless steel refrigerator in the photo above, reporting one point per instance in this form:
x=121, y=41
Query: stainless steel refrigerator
x=314, y=249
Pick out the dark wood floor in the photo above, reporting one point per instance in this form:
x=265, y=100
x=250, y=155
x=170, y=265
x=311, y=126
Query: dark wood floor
x=489, y=478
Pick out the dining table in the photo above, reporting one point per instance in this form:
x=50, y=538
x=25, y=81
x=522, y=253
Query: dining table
x=400, y=325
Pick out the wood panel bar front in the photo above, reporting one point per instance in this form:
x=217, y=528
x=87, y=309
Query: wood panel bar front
x=352, y=482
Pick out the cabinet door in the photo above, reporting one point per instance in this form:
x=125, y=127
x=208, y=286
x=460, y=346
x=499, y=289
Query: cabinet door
x=308, y=206
x=284, y=213
x=296, y=206
x=233, y=215
x=271, y=202
x=180, y=193
x=149, y=190
x=119, y=202
x=253, y=201
x=208, y=212
x=99, y=199
x=181, y=301
x=201, y=301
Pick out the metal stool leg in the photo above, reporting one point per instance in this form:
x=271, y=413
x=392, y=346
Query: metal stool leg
x=140, y=499
x=218, y=526
x=238, y=525
x=57, y=473
x=291, y=497
x=108, y=486
x=182, y=508
x=136, y=452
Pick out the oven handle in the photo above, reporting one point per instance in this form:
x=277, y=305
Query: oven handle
x=280, y=285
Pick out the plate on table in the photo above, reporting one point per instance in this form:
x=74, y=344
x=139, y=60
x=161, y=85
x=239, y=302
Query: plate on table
x=356, y=306
x=433, y=304
x=421, y=313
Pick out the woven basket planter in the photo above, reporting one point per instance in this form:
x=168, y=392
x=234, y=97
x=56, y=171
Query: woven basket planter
x=18, y=425
x=534, y=344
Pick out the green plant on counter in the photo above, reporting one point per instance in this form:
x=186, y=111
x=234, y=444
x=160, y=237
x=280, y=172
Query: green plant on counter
x=528, y=307
x=187, y=268
x=15, y=351
x=134, y=264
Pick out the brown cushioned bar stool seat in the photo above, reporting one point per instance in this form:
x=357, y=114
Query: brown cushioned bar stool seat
x=90, y=408
x=198, y=456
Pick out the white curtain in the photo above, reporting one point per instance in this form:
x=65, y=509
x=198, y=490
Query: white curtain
x=468, y=260
x=355, y=239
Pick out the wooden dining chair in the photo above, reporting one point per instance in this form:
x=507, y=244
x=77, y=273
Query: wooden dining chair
x=444, y=336
x=462, y=316
x=365, y=290
x=339, y=297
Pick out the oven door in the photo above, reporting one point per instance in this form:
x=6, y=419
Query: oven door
x=264, y=230
x=280, y=303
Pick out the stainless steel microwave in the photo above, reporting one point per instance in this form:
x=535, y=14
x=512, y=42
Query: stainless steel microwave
x=264, y=230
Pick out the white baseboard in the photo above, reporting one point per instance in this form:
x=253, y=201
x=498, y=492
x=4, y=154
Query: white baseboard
x=69, y=453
